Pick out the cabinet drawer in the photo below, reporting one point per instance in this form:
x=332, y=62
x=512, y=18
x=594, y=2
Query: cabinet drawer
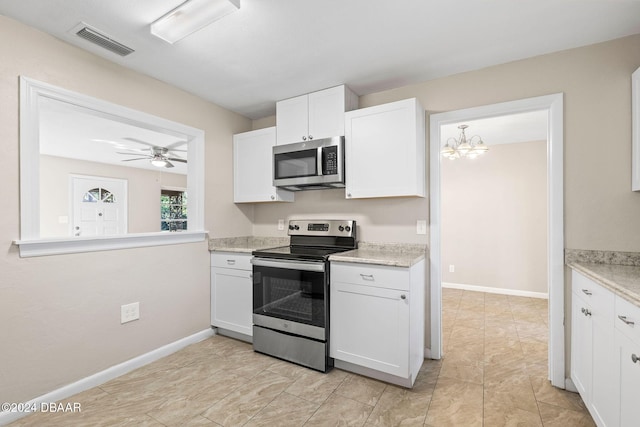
x=599, y=298
x=371, y=275
x=627, y=318
x=234, y=260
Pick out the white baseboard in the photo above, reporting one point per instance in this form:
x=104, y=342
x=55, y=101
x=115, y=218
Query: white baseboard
x=490, y=290
x=106, y=375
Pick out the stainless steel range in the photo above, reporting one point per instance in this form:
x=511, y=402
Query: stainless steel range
x=291, y=292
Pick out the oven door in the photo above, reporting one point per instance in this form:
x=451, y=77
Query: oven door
x=290, y=296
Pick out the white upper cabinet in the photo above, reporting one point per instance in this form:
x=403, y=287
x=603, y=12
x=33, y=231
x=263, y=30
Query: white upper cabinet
x=635, y=130
x=314, y=116
x=385, y=150
x=253, y=168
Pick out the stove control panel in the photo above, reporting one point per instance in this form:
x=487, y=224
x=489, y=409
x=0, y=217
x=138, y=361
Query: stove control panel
x=332, y=227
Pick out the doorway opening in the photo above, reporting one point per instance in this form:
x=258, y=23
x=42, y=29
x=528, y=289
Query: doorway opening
x=552, y=105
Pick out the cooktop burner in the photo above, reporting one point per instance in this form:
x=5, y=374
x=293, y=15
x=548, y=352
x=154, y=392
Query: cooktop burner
x=298, y=252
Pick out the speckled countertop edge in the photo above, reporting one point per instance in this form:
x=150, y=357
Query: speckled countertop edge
x=389, y=254
x=616, y=271
x=245, y=244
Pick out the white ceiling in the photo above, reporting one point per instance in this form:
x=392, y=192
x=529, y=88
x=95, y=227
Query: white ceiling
x=275, y=49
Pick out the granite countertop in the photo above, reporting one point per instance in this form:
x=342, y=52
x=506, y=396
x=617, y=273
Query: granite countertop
x=390, y=254
x=623, y=280
x=616, y=271
x=246, y=244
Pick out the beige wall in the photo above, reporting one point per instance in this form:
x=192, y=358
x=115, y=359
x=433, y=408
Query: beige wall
x=494, y=218
x=60, y=315
x=143, y=188
x=601, y=212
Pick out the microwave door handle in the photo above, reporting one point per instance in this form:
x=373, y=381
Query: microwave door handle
x=319, y=161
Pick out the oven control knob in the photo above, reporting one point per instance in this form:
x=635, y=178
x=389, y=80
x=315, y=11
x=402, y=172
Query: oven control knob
x=295, y=227
x=347, y=228
x=291, y=227
x=341, y=228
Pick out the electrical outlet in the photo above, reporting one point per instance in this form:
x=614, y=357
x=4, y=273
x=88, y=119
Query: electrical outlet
x=281, y=224
x=452, y=268
x=421, y=227
x=129, y=312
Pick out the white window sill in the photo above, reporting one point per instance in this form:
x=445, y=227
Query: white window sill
x=42, y=247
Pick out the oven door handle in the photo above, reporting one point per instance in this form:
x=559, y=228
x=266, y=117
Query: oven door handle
x=289, y=265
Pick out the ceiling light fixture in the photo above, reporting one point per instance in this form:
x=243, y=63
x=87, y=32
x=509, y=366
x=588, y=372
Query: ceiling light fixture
x=161, y=162
x=463, y=147
x=190, y=17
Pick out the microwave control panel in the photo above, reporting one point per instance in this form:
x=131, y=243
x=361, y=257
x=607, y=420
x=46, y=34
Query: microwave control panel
x=330, y=160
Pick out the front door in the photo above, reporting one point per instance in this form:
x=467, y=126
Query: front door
x=99, y=206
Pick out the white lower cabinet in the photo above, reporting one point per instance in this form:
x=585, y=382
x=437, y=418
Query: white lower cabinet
x=627, y=341
x=232, y=294
x=602, y=368
x=581, y=346
x=377, y=320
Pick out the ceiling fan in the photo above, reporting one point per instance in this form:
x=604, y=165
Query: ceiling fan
x=160, y=157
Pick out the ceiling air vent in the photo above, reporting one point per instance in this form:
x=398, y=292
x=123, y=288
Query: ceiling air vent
x=103, y=41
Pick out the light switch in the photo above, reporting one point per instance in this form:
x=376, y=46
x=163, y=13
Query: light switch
x=281, y=224
x=421, y=227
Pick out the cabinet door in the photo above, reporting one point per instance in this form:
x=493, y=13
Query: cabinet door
x=604, y=382
x=370, y=327
x=385, y=151
x=253, y=168
x=581, y=347
x=292, y=119
x=232, y=300
x=326, y=113
x=629, y=368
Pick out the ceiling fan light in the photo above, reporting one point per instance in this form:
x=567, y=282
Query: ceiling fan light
x=191, y=16
x=159, y=163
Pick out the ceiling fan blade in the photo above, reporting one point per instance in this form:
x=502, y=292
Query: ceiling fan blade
x=176, y=144
x=137, y=153
x=176, y=160
x=139, y=141
x=130, y=160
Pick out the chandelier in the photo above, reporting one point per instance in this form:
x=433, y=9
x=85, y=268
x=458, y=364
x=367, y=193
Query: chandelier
x=463, y=147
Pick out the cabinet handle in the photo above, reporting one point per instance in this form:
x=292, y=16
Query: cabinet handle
x=304, y=138
x=634, y=358
x=587, y=292
x=348, y=194
x=403, y=296
x=367, y=276
x=586, y=311
x=628, y=322
x=231, y=261
x=273, y=197
x=310, y=137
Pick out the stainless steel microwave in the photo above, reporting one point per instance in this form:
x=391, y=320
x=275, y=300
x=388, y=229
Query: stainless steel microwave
x=309, y=165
